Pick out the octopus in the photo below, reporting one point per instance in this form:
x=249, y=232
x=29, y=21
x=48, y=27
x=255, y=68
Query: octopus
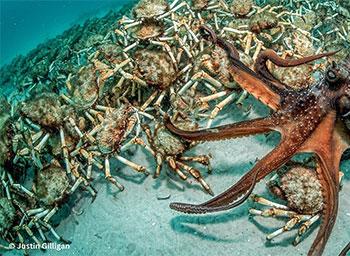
x=310, y=120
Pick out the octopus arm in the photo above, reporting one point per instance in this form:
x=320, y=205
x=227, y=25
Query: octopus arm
x=256, y=87
x=345, y=250
x=262, y=70
x=229, y=199
x=244, y=128
x=328, y=143
x=264, y=91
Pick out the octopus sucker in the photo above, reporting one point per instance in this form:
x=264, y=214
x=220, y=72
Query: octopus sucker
x=309, y=119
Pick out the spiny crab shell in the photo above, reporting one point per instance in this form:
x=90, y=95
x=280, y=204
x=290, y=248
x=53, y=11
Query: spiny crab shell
x=296, y=77
x=150, y=28
x=155, y=67
x=302, y=190
x=114, y=126
x=7, y=214
x=200, y=4
x=85, y=91
x=302, y=44
x=262, y=21
x=216, y=63
x=299, y=76
x=51, y=185
x=150, y=8
x=307, y=22
x=110, y=52
x=241, y=7
x=166, y=143
x=46, y=110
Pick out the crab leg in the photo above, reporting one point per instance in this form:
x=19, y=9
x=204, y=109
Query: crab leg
x=264, y=201
x=287, y=227
x=202, y=159
x=42, y=143
x=100, y=118
x=89, y=167
x=148, y=101
x=19, y=187
x=213, y=96
x=304, y=227
x=41, y=232
x=196, y=174
x=158, y=102
x=50, y=214
x=132, y=165
x=5, y=247
x=65, y=152
x=21, y=239
x=210, y=87
x=159, y=161
x=158, y=157
x=272, y=212
x=32, y=125
x=36, y=136
x=7, y=188
x=109, y=177
x=219, y=107
x=206, y=77
x=282, y=211
x=31, y=234
x=76, y=185
x=86, y=155
x=172, y=164
x=53, y=232
x=143, y=144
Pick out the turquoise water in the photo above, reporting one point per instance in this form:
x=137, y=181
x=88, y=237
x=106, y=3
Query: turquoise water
x=25, y=24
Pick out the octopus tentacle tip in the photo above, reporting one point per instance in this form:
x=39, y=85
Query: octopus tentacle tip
x=208, y=33
x=346, y=250
x=185, y=208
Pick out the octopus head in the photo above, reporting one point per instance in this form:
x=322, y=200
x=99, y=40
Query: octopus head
x=337, y=79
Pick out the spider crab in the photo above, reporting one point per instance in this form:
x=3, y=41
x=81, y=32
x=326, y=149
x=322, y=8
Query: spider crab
x=309, y=120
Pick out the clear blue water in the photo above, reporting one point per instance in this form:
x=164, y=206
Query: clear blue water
x=25, y=24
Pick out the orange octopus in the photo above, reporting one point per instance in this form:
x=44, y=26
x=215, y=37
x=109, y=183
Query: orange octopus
x=309, y=120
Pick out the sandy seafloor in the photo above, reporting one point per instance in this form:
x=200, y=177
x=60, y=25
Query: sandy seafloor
x=135, y=222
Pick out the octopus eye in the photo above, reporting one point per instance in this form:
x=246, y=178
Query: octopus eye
x=343, y=106
x=332, y=76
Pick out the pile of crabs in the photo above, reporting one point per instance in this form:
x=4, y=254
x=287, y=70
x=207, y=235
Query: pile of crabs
x=155, y=61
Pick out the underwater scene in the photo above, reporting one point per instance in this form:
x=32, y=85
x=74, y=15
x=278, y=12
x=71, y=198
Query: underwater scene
x=175, y=127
